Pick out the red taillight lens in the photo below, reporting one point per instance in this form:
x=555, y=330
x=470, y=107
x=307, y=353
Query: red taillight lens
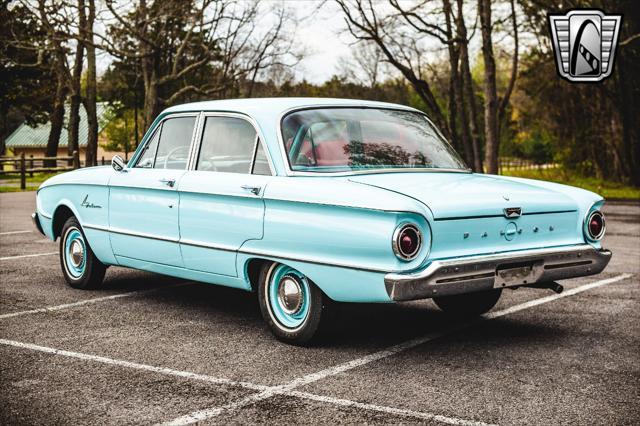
x=407, y=241
x=595, y=225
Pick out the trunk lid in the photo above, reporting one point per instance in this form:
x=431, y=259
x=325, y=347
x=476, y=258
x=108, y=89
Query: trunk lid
x=462, y=195
x=469, y=211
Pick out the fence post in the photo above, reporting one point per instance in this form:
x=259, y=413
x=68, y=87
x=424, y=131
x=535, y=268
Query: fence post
x=23, y=175
x=103, y=160
x=76, y=160
x=31, y=165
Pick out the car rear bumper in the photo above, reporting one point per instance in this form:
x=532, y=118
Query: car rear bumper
x=478, y=273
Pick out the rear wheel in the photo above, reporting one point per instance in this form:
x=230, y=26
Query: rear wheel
x=469, y=304
x=290, y=303
x=80, y=266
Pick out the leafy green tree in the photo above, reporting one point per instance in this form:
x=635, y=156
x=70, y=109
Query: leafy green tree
x=26, y=89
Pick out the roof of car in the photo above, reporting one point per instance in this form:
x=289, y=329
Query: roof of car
x=276, y=106
x=266, y=113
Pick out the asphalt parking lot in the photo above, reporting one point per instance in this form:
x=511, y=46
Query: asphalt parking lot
x=151, y=349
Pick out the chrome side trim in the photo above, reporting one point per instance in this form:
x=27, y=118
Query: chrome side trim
x=202, y=244
x=309, y=260
x=478, y=273
x=131, y=234
x=231, y=249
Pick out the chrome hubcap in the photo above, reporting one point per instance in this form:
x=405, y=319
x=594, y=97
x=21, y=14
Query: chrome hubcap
x=290, y=294
x=76, y=253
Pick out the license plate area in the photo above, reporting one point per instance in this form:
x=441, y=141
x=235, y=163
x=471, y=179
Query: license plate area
x=515, y=274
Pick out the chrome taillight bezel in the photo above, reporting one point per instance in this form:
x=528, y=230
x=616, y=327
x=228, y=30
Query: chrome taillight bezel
x=395, y=241
x=587, y=228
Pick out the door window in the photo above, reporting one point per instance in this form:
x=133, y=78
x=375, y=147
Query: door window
x=175, y=139
x=228, y=144
x=148, y=155
x=169, y=146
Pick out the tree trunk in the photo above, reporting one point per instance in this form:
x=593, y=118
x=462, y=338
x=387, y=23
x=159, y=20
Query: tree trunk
x=76, y=96
x=151, y=103
x=56, y=118
x=492, y=148
x=469, y=95
x=454, y=95
x=91, y=155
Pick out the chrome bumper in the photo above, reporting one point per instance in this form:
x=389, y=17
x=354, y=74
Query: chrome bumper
x=477, y=273
x=36, y=222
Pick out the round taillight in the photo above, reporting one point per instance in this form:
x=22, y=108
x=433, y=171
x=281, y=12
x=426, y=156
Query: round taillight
x=596, y=225
x=407, y=241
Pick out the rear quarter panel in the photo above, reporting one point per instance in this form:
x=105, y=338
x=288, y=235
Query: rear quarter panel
x=338, y=234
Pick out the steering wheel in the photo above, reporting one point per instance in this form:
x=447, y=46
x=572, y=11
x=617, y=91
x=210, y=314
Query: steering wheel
x=173, y=152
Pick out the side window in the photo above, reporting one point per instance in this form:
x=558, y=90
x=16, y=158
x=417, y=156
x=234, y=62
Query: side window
x=169, y=146
x=227, y=145
x=261, y=164
x=149, y=151
x=175, y=139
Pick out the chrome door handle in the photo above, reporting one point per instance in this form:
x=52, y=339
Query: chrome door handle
x=168, y=182
x=255, y=190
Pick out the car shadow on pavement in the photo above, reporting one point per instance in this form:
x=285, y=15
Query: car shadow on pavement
x=351, y=325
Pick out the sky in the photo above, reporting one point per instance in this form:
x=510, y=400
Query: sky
x=322, y=33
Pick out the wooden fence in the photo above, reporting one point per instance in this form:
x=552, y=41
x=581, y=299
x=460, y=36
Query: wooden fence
x=514, y=163
x=22, y=165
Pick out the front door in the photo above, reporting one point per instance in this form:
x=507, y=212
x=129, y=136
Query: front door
x=221, y=203
x=144, y=201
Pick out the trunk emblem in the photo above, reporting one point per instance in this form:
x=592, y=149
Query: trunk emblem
x=512, y=212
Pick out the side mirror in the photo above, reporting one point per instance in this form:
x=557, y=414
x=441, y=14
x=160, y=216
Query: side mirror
x=117, y=163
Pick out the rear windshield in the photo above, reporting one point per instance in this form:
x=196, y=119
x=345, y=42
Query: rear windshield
x=346, y=139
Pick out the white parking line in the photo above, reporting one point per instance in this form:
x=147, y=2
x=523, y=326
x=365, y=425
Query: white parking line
x=385, y=409
x=134, y=365
x=247, y=385
x=90, y=301
x=15, y=232
x=201, y=415
x=28, y=255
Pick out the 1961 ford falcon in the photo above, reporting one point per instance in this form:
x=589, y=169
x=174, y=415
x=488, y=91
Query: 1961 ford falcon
x=304, y=201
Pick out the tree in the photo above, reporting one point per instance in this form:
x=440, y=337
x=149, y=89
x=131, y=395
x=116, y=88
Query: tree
x=197, y=48
x=75, y=83
x=365, y=64
x=26, y=92
x=592, y=127
x=91, y=155
x=494, y=108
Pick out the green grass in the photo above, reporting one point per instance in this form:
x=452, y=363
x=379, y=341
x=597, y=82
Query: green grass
x=605, y=188
x=13, y=182
x=608, y=189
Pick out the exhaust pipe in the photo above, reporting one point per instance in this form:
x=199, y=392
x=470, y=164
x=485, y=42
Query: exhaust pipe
x=551, y=285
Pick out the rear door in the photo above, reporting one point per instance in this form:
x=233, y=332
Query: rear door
x=144, y=201
x=221, y=203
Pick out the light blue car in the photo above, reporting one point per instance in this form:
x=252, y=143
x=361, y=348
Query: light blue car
x=309, y=201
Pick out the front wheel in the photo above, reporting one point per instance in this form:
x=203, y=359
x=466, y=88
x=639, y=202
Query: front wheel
x=469, y=304
x=290, y=303
x=81, y=268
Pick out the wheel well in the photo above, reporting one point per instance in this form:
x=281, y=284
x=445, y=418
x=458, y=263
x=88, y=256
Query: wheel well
x=253, y=271
x=59, y=218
